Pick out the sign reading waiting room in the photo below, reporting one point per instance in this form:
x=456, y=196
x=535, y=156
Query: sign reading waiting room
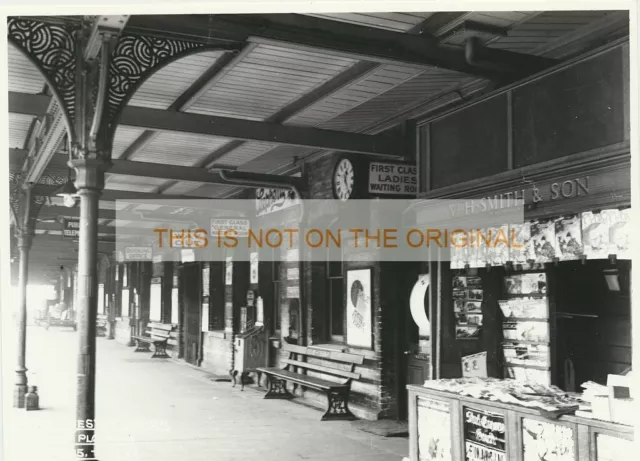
x=393, y=178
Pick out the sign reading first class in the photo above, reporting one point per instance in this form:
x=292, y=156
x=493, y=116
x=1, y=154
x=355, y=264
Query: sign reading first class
x=393, y=178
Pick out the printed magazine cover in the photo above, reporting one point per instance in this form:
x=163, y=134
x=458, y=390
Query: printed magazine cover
x=543, y=238
x=568, y=238
x=595, y=235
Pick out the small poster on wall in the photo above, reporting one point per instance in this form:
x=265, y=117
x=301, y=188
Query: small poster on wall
x=568, y=238
x=228, y=274
x=484, y=435
x=434, y=430
x=595, y=235
x=359, y=325
x=527, y=284
x=522, y=252
x=467, y=306
x=543, y=238
x=254, y=267
x=205, y=318
x=544, y=441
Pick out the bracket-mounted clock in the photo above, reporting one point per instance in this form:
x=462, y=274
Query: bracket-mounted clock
x=343, y=179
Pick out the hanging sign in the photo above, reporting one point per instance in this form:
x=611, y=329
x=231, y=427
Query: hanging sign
x=220, y=225
x=484, y=435
x=138, y=253
x=253, y=278
x=270, y=200
x=71, y=228
x=393, y=178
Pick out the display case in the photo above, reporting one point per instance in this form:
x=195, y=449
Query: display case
x=449, y=427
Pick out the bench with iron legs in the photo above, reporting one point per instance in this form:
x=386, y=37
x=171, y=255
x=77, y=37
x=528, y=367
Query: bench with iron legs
x=101, y=325
x=158, y=334
x=336, y=364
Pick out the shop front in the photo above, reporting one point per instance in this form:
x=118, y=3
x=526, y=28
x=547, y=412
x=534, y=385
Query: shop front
x=531, y=334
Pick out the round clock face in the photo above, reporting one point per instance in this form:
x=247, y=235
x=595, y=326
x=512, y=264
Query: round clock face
x=343, y=179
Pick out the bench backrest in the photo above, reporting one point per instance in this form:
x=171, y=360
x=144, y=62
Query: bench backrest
x=163, y=331
x=335, y=363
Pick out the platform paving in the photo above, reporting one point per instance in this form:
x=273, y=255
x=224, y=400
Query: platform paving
x=157, y=409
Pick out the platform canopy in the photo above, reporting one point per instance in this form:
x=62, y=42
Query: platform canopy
x=262, y=93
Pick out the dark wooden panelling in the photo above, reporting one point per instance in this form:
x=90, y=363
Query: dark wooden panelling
x=574, y=110
x=469, y=144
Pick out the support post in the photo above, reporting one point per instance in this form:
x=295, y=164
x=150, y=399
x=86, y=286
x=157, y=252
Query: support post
x=24, y=244
x=90, y=182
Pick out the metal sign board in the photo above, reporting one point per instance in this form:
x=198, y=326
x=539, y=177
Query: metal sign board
x=70, y=228
x=220, y=225
x=393, y=178
x=138, y=253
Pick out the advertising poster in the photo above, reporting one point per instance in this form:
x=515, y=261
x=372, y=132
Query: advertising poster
x=526, y=284
x=568, y=238
x=254, y=267
x=537, y=331
x=434, y=430
x=619, y=233
x=467, y=297
x=543, y=240
x=525, y=308
x=521, y=234
x=498, y=254
x=359, y=325
x=595, y=235
x=155, y=300
x=204, y=325
x=484, y=435
x=543, y=441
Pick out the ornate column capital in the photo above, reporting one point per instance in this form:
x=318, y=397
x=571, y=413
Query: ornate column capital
x=89, y=173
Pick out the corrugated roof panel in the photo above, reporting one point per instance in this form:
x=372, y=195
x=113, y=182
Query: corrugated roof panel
x=133, y=183
x=268, y=79
x=401, y=22
x=19, y=125
x=165, y=86
x=380, y=80
x=545, y=28
x=24, y=77
x=124, y=137
x=178, y=149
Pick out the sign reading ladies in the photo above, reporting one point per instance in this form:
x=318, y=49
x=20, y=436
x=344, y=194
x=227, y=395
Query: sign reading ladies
x=393, y=178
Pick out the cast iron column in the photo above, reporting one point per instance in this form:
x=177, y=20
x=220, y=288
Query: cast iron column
x=24, y=243
x=90, y=182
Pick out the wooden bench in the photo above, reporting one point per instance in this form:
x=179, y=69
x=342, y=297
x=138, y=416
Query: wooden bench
x=101, y=325
x=337, y=364
x=158, y=334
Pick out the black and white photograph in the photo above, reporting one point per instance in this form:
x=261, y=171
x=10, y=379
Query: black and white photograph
x=209, y=207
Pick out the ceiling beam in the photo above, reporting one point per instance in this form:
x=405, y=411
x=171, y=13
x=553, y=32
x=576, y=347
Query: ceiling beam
x=314, y=34
x=28, y=104
x=249, y=130
x=185, y=173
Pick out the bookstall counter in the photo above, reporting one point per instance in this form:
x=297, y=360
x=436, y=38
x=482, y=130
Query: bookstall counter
x=446, y=426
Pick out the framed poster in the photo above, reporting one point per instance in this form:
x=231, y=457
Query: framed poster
x=175, y=312
x=155, y=301
x=484, y=435
x=359, y=324
x=434, y=430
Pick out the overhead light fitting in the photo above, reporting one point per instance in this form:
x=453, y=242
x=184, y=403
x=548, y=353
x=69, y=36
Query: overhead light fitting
x=69, y=193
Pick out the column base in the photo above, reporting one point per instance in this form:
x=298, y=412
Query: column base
x=18, y=395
